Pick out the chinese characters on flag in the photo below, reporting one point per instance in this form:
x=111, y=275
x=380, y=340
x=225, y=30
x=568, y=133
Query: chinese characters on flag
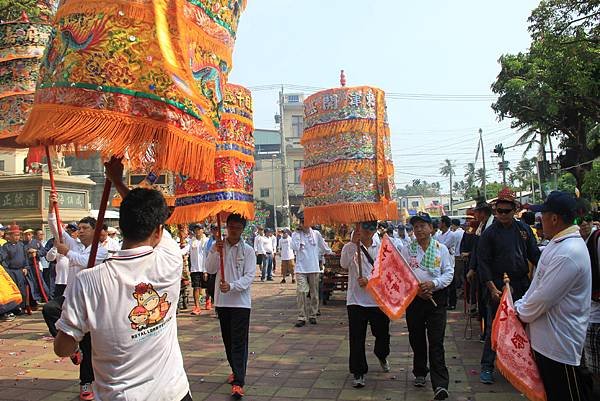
x=514, y=357
x=393, y=285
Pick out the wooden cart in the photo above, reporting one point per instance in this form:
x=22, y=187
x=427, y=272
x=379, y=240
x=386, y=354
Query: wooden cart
x=334, y=277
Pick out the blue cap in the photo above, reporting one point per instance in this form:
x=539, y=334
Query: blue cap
x=421, y=216
x=559, y=202
x=72, y=226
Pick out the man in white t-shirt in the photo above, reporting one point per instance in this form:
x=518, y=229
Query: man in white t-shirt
x=232, y=297
x=309, y=245
x=362, y=309
x=108, y=242
x=449, y=238
x=198, y=273
x=287, y=256
x=128, y=304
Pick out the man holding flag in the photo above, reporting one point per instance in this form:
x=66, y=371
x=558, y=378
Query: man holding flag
x=426, y=315
x=556, y=306
x=362, y=308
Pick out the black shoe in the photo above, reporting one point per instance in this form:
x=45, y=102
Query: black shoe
x=282, y=281
x=451, y=307
x=270, y=279
x=293, y=281
x=312, y=320
x=300, y=323
x=440, y=393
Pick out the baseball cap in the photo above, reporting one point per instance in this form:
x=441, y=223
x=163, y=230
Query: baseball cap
x=3, y=228
x=72, y=226
x=420, y=217
x=559, y=202
x=29, y=230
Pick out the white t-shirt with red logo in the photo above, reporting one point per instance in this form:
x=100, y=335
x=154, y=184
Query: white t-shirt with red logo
x=128, y=305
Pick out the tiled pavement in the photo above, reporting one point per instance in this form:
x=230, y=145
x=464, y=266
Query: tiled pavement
x=285, y=363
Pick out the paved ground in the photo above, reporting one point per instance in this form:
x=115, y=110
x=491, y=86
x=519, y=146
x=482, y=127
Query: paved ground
x=286, y=363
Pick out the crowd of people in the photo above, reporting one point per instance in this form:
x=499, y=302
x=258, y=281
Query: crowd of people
x=128, y=302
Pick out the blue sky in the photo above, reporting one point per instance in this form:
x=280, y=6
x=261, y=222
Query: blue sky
x=444, y=48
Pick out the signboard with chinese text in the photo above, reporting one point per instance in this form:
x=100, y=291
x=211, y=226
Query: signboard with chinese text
x=68, y=200
x=19, y=200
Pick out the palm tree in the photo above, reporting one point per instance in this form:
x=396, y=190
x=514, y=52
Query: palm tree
x=480, y=176
x=447, y=170
x=470, y=175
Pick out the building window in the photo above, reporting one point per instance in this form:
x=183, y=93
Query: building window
x=297, y=126
x=2, y=165
x=415, y=203
x=264, y=192
x=293, y=99
x=298, y=164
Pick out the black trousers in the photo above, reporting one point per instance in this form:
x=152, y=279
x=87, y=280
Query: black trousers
x=235, y=326
x=426, y=329
x=563, y=382
x=210, y=290
x=51, y=312
x=358, y=319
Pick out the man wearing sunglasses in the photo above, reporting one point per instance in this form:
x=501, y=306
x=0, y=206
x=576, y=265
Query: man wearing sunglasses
x=505, y=247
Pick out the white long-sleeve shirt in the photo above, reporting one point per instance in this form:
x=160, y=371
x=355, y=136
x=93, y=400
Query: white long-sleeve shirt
x=258, y=244
x=269, y=244
x=78, y=254
x=357, y=295
x=446, y=270
x=285, y=248
x=450, y=239
x=557, y=304
x=240, y=268
x=308, y=247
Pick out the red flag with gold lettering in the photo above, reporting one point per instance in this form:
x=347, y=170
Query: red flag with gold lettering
x=514, y=357
x=392, y=285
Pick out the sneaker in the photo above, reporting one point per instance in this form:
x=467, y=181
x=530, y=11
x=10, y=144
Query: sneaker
x=76, y=357
x=237, y=392
x=85, y=392
x=293, y=281
x=440, y=393
x=270, y=279
x=230, y=378
x=312, y=320
x=196, y=311
x=262, y=279
x=385, y=365
x=486, y=377
x=300, y=323
x=482, y=338
x=359, y=381
x=420, y=381
x=451, y=307
x=9, y=317
x=282, y=281
x=208, y=305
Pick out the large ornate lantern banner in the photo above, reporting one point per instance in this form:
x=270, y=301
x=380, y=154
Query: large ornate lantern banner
x=348, y=175
x=104, y=83
x=22, y=45
x=232, y=190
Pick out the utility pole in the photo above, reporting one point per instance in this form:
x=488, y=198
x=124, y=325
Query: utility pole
x=484, y=170
x=274, y=198
x=284, y=178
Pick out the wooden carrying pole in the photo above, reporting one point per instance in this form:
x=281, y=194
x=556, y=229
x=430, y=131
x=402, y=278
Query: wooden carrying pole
x=221, y=256
x=99, y=222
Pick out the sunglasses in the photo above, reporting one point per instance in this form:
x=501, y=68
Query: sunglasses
x=504, y=211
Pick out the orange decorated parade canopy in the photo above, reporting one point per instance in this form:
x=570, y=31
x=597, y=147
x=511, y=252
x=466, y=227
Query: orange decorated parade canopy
x=105, y=82
x=348, y=175
x=232, y=191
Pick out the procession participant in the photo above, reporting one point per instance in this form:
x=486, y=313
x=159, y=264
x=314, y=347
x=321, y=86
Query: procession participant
x=210, y=290
x=13, y=256
x=38, y=290
x=362, y=309
x=402, y=235
x=196, y=248
x=2, y=234
x=232, y=297
x=556, y=307
x=140, y=286
x=397, y=242
x=259, y=251
x=308, y=244
x=78, y=253
x=507, y=246
x=287, y=256
x=448, y=237
x=426, y=320
x=269, y=246
x=108, y=242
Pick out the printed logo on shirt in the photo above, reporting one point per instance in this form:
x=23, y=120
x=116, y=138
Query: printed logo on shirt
x=151, y=308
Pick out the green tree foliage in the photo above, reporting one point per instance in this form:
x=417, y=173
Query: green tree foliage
x=552, y=89
x=591, y=183
x=420, y=187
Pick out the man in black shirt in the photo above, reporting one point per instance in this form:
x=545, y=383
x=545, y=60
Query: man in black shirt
x=505, y=247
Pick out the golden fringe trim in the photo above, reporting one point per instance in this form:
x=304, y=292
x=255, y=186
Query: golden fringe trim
x=339, y=127
x=514, y=379
x=347, y=213
x=335, y=168
x=235, y=155
x=202, y=211
x=143, y=140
